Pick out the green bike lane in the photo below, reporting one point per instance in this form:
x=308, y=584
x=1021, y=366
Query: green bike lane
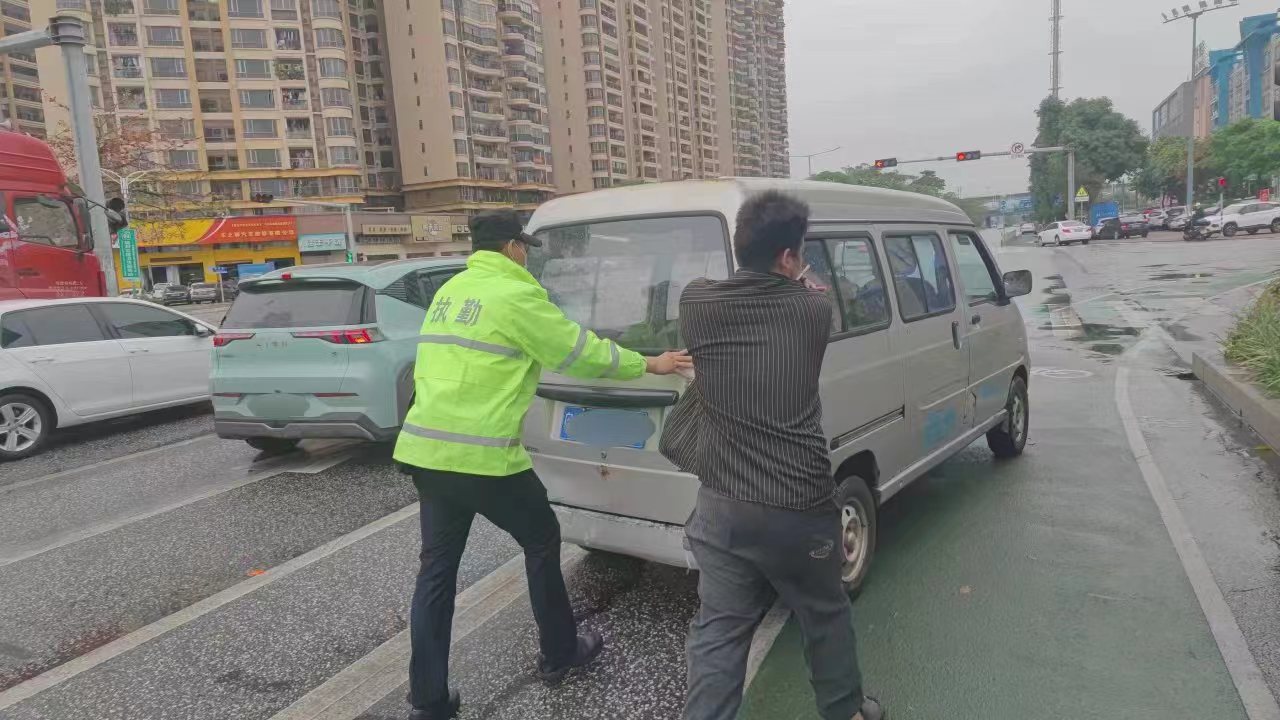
x=1042, y=587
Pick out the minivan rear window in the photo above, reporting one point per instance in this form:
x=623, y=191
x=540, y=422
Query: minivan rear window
x=623, y=279
x=301, y=303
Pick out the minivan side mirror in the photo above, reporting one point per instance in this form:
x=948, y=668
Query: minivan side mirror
x=1017, y=283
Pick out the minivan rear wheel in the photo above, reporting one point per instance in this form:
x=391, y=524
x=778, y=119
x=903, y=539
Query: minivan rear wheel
x=857, y=531
x=1009, y=438
x=25, y=424
x=273, y=445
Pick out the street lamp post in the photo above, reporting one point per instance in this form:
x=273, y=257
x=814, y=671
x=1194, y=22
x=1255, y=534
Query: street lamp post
x=811, y=156
x=1187, y=11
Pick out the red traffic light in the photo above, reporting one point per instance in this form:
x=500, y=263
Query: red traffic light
x=1222, y=182
x=968, y=155
x=886, y=163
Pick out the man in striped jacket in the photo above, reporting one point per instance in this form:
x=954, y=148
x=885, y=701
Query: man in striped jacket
x=766, y=523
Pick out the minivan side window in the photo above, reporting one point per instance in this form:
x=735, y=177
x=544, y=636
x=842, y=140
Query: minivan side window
x=819, y=278
x=978, y=278
x=921, y=275
x=859, y=284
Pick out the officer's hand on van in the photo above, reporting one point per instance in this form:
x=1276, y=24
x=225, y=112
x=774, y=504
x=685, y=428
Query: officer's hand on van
x=669, y=362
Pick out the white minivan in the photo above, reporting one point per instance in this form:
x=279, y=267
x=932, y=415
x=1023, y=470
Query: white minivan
x=927, y=354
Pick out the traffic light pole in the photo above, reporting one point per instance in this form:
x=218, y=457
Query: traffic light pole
x=1071, y=168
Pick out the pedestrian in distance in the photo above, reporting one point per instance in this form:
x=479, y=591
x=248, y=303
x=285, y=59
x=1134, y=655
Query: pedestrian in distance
x=488, y=333
x=766, y=524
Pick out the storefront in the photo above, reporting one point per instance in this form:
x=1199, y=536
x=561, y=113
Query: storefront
x=187, y=251
x=322, y=237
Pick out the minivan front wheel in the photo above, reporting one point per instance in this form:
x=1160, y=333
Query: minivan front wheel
x=1009, y=438
x=857, y=531
x=272, y=445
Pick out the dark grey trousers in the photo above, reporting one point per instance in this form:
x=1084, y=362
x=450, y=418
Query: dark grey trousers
x=750, y=555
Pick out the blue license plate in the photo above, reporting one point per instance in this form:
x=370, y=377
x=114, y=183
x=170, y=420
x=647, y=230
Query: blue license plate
x=606, y=427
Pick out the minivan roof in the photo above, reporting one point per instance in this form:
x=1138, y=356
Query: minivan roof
x=827, y=202
x=373, y=274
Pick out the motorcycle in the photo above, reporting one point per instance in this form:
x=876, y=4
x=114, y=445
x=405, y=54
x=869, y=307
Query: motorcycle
x=1198, y=230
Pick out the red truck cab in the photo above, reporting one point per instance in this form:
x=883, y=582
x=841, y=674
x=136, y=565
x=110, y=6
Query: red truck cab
x=46, y=249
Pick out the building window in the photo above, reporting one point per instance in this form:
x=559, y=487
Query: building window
x=288, y=39
x=167, y=99
x=346, y=184
x=276, y=187
x=248, y=38
x=160, y=7
x=593, y=76
x=335, y=97
x=177, y=129
x=162, y=67
x=244, y=8
x=183, y=160
x=259, y=128
x=263, y=158
x=298, y=128
x=131, y=98
x=284, y=10
x=211, y=70
x=126, y=66
x=290, y=70
x=226, y=189
x=330, y=38
x=326, y=9
x=333, y=68
x=459, y=124
x=339, y=127
x=258, y=99
x=343, y=155
x=450, y=51
x=164, y=36
x=450, y=27
x=454, y=75
x=205, y=39
x=459, y=147
x=464, y=170
x=253, y=69
x=293, y=98
x=455, y=99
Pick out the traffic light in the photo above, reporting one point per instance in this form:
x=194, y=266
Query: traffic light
x=262, y=197
x=886, y=163
x=1222, y=182
x=968, y=155
x=120, y=220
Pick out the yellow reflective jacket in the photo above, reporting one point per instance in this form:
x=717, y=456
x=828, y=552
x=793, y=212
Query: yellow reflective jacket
x=487, y=335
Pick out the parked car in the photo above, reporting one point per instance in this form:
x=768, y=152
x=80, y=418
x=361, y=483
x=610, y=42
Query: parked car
x=1171, y=216
x=229, y=290
x=1065, y=232
x=924, y=335
x=205, y=292
x=176, y=295
x=323, y=351
x=1250, y=217
x=157, y=291
x=1027, y=229
x=1122, y=227
x=69, y=362
x=1154, y=217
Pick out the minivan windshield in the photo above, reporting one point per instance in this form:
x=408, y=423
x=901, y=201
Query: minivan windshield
x=623, y=279
x=300, y=303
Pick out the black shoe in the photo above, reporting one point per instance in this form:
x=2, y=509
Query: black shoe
x=871, y=709
x=589, y=646
x=441, y=711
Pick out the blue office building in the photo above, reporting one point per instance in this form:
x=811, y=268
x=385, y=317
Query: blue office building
x=1245, y=79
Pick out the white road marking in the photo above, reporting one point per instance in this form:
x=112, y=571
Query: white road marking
x=368, y=680
x=115, y=648
x=103, y=463
x=312, y=464
x=1255, y=695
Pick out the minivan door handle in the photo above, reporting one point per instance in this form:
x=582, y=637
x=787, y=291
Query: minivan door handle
x=608, y=397
x=955, y=333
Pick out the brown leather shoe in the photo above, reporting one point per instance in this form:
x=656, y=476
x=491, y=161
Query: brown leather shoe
x=871, y=710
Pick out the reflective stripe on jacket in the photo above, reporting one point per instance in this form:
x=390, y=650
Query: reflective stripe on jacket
x=487, y=335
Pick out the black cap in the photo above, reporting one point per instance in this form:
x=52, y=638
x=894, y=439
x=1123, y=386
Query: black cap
x=493, y=229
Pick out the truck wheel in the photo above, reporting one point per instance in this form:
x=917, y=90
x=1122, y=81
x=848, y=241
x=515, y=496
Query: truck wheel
x=857, y=531
x=25, y=424
x=1009, y=438
x=275, y=446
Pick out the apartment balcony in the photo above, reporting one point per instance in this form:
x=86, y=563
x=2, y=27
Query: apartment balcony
x=484, y=65
x=521, y=12
x=490, y=134
x=485, y=90
x=491, y=159
x=491, y=111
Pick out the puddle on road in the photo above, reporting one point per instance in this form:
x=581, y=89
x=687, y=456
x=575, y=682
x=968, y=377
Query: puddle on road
x=1178, y=331
x=1107, y=348
x=1181, y=276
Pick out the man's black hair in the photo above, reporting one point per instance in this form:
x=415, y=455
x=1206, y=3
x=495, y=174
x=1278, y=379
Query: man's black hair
x=768, y=224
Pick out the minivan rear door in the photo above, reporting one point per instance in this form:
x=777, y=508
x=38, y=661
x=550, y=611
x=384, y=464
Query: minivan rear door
x=932, y=336
x=595, y=442
x=278, y=341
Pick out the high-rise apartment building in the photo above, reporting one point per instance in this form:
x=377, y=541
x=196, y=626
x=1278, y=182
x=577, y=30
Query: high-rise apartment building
x=758, y=88
x=281, y=97
x=20, y=95
x=471, y=99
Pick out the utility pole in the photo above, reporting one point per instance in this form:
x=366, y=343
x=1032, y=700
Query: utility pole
x=1055, y=48
x=811, y=156
x=1194, y=14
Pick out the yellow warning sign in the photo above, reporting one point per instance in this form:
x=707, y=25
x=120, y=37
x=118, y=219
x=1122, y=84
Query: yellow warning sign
x=1082, y=195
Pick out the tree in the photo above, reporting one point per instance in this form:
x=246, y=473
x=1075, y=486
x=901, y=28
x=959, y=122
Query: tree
x=1248, y=152
x=926, y=183
x=1108, y=146
x=1164, y=171
x=132, y=145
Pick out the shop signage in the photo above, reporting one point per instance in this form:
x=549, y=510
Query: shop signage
x=128, y=240
x=385, y=229
x=219, y=231
x=322, y=242
x=436, y=228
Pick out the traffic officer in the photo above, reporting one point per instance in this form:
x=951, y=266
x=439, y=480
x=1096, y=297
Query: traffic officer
x=488, y=333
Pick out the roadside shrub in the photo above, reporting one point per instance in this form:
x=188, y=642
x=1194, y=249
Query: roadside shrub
x=1254, y=343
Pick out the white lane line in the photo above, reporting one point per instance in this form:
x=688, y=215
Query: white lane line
x=368, y=680
x=94, y=658
x=103, y=463
x=312, y=465
x=766, y=633
x=1255, y=695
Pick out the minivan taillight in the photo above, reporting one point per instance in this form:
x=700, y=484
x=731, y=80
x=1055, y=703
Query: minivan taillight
x=360, y=336
x=224, y=339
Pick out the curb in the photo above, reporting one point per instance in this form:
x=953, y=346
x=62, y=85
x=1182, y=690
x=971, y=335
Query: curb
x=1233, y=387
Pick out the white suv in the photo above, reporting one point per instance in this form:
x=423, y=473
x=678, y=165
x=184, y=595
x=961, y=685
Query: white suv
x=1250, y=217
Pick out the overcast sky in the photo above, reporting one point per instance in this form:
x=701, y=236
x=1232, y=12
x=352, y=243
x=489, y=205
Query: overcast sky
x=923, y=78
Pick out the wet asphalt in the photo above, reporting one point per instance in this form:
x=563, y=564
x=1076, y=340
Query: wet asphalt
x=1045, y=586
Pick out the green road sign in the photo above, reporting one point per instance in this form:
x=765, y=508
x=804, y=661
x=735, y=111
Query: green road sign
x=128, y=242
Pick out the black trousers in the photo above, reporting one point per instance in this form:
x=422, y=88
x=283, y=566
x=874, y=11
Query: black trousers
x=517, y=504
